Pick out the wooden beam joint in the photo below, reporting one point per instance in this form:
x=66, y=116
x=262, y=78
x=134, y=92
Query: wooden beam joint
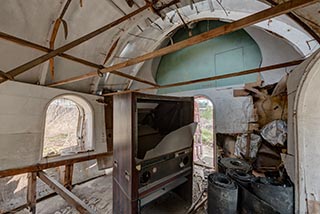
x=72, y=199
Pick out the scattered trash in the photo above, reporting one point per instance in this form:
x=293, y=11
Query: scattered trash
x=241, y=145
x=275, y=132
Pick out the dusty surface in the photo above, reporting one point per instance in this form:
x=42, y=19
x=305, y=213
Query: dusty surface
x=97, y=194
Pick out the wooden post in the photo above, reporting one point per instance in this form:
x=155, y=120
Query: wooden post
x=32, y=192
x=68, y=172
x=65, y=194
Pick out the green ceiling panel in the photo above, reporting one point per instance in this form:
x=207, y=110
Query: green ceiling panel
x=226, y=54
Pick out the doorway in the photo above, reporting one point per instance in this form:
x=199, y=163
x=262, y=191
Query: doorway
x=204, y=139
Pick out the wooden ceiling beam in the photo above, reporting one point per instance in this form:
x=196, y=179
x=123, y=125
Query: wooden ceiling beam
x=224, y=76
x=27, y=66
x=29, y=44
x=219, y=31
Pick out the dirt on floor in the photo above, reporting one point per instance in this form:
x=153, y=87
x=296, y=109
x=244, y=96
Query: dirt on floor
x=97, y=193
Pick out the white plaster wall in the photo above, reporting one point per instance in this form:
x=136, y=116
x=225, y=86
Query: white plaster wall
x=274, y=50
x=231, y=114
x=22, y=118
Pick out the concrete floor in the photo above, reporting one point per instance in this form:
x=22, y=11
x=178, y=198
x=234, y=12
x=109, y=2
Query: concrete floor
x=97, y=194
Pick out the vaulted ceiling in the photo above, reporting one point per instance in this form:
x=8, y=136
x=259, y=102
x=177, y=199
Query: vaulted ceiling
x=50, y=24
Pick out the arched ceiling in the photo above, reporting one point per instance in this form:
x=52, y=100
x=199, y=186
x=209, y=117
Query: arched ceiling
x=34, y=21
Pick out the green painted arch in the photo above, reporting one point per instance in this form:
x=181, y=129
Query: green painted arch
x=230, y=53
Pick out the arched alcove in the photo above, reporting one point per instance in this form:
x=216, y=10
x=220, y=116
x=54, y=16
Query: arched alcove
x=234, y=52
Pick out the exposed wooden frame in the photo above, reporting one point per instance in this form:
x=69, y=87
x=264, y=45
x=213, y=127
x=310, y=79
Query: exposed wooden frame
x=65, y=194
x=66, y=56
x=225, y=29
x=32, y=192
x=43, y=166
x=23, y=68
x=296, y=18
x=4, y=75
x=224, y=76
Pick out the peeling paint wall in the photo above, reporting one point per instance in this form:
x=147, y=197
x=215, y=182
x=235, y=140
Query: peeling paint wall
x=22, y=118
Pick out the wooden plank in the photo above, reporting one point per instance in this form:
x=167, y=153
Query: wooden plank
x=42, y=166
x=22, y=68
x=63, y=55
x=224, y=76
x=55, y=33
x=32, y=192
x=72, y=199
x=240, y=93
x=219, y=31
x=5, y=75
x=68, y=173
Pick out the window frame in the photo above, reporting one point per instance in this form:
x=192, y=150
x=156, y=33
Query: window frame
x=85, y=125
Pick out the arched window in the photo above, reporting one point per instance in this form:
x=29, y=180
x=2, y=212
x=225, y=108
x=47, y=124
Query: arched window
x=68, y=127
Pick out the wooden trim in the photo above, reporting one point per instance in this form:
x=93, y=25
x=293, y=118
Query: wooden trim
x=224, y=76
x=72, y=199
x=219, y=31
x=43, y=166
x=27, y=66
x=32, y=192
